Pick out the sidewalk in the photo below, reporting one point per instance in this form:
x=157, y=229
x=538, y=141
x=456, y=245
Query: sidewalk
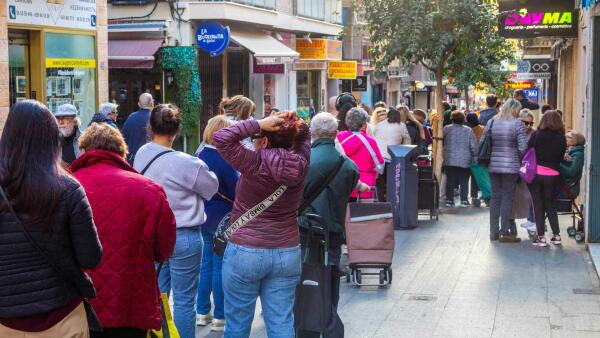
x=450, y=281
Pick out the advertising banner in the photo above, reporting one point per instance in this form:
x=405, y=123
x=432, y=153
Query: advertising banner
x=523, y=19
x=80, y=14
x=345, y=70
x=319, y=49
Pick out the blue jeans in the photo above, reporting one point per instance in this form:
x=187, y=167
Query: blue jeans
x=210, y=279
x=180, y=273
x=271, y=274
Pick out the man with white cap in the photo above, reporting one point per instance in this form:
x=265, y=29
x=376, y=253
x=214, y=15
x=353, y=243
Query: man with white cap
x=107, y=114
x=68, y=125
x=134, y=130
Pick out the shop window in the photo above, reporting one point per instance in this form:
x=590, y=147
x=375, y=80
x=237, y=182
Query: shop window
x=71, y=73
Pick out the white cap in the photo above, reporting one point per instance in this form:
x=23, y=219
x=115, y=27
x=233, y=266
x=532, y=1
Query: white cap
x=66, y=110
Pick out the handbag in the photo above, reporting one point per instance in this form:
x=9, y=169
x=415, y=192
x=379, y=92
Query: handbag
x=168, y=328
x=484, y=154
x=528, y=169
x=379, y=166
x=92, y=318
x=225, y=229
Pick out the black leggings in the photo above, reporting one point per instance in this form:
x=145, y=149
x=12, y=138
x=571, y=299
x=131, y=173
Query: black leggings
x=543, y=190
x=455, y=177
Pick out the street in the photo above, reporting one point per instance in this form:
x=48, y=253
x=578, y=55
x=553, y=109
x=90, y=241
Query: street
x=450, y=281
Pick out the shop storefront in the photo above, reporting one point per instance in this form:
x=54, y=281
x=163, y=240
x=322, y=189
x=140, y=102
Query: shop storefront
x=52, y=54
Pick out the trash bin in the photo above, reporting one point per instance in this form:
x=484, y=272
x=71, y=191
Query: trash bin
x=403, y=185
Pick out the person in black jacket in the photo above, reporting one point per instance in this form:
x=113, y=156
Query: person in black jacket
x=550, y=145
x=43, y=285
x=525, y=103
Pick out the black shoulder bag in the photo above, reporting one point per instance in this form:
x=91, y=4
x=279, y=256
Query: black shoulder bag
x=154, y=159
x=484, y=155
x=92, y=318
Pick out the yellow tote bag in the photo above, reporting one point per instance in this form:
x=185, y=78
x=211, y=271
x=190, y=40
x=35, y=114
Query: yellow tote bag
x=168, y=328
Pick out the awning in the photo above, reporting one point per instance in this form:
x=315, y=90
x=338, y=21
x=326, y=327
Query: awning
x=266, y=49
x=132, y=53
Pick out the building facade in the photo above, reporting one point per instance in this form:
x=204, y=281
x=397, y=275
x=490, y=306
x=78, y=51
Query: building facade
x=55, y=52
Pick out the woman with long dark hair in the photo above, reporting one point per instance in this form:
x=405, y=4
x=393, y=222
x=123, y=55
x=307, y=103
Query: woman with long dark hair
x=50, y=237
x=550, y=146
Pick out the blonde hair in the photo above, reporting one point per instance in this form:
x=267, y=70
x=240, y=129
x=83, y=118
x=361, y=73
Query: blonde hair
x=510, y=110
x=375, y=114
x=238, y=107
x=406, y=115
x=214, y=125
x=101, y=136
x=578, y=138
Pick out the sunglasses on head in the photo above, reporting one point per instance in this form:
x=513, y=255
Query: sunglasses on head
x=256, y=136
x=528, y=123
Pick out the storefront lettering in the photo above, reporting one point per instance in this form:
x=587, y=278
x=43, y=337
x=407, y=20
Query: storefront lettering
x=80, y=14
x=524, y=18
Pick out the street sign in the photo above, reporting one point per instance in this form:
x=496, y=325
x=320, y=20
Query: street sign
x=213, y=37
x=345, y=70
x=523, y=19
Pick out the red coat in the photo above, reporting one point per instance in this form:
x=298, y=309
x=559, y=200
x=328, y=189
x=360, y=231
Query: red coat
x=136, y=228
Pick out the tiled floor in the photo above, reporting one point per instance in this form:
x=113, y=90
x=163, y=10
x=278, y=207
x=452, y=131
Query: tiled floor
x=474, y=288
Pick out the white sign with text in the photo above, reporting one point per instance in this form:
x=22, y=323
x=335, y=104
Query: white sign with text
x=80, y=14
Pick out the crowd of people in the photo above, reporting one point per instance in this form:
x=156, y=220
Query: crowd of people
x=108, y=219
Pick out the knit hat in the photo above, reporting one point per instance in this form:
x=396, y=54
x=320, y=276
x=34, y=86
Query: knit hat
x=66, y=110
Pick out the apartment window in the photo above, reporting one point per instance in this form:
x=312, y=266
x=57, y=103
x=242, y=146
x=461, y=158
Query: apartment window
x=326, y=10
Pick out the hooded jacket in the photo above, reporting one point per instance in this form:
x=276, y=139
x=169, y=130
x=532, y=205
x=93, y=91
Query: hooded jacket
x=136, y=228
x=262, y=172
x=357, y=152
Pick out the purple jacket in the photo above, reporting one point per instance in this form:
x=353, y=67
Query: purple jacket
x=262, y=172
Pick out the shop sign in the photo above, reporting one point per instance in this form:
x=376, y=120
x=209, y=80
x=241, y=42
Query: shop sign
x=395, y=72
x=70, y=63
x=268, y=68
x=342, y=70
x=531, y=94
x=518, y=85
x=360, y=84
x=535, y=69
x=79, y=14
x=213, y=37
x=522, y=19
x=319, y=49
x=314, y=65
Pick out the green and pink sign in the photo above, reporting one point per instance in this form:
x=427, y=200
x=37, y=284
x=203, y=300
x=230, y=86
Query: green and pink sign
x=523, y=19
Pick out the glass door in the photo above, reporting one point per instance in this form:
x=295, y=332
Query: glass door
x=18, y=65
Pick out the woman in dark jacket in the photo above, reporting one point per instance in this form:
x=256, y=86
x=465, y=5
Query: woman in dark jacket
x=571, y=167
x=136, y=227
x=550, y=146
x=35, y=297
x=263, y=257
x=216, y=209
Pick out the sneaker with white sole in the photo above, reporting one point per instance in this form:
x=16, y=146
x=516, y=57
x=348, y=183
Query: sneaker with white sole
x=528, y=225
x=218, y=325
x=540, y=241
x=203, y=320
x=556, y=240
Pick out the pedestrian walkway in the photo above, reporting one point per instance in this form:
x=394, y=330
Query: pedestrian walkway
x=450, y=281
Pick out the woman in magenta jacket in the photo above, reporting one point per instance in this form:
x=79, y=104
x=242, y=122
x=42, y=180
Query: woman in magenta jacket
x=367, y=158
x=136, y=228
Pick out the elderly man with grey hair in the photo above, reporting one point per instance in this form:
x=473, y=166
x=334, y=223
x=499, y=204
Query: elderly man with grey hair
x=107, y=114
x=68, y=124
x=330, y=180
x=134, y=130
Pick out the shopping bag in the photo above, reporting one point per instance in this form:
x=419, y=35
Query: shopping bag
x=528, y=169
x=521, y=201
x=482, y=177
x=168, y=328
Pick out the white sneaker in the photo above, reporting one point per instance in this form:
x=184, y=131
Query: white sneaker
x=527, y=225
x=218, y=325
x=204, y=320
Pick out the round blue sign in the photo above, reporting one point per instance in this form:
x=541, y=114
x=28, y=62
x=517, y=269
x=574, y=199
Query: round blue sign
x=213, y=37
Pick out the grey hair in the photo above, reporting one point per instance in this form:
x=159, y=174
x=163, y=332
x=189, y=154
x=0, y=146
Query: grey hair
x=324, y=125
x=525, y=113
x=146, y=101
x=356, y=118
x=509, y=110
x=107, y=108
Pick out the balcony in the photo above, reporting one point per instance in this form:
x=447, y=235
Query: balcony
x=266, y=4
x=323, y=10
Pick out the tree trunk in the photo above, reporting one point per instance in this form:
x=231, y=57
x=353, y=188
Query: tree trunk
x=438, y=144
x=467, y=99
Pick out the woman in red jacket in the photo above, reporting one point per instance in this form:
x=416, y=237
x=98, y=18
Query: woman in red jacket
x=136, y=228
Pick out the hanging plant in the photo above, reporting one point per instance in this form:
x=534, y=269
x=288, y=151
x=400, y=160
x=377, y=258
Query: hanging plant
x=182, y=61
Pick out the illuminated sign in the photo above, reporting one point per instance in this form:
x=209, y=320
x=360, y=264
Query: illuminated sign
x=518, y=85
x=522, y=19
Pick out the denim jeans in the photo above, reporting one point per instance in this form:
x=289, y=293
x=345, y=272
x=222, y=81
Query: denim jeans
x=180, y=273
x=210, y=279
x=272, y=275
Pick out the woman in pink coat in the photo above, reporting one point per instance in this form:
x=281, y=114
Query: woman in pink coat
x=362, y=149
